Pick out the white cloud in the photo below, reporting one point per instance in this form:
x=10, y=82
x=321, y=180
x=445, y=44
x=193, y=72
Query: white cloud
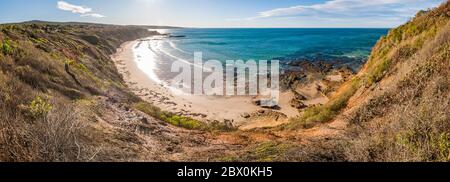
x=82, y=10
x=94, y=15
x=73, y=8
x=352, y=8
x=341, y=13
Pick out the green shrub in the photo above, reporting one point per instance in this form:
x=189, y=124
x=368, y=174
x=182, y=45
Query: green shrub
x=37, y=108
x=149, y=109
x=181, y=121
x=39, y=40
x=77, y=65
x=378, y=72
x=443, y=146
x=81, y=67
x=6, y=47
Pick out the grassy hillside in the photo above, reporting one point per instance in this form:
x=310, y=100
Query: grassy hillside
x=44, y=70
x=399, y=46
x=401, y=112
x=397, y=106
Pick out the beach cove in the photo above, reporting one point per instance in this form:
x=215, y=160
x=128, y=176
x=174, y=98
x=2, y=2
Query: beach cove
x=145, y=65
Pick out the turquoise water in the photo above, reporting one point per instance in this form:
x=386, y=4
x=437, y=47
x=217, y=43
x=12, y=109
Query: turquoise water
x=266, y=44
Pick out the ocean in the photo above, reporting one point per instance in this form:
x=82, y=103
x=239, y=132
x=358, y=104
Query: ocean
x=346, y=46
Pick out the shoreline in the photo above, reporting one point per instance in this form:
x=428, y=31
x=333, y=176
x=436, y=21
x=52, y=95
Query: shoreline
x=204, y=108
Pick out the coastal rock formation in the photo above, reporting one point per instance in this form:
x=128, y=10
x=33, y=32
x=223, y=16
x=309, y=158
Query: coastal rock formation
x=298, y=104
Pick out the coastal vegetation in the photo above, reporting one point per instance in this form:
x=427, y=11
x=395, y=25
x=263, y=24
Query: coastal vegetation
x=182, y=121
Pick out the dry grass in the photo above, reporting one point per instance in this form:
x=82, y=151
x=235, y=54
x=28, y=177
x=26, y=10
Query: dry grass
x=410, y=121
x=50, y=136
x=56, y=135
x=410, y=133
x=38, y=86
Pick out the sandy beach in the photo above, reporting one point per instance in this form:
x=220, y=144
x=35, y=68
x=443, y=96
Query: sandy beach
x=236, y=109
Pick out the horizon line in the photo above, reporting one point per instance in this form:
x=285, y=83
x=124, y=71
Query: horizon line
x=87, y=22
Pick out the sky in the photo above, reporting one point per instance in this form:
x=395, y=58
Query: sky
x=220, y=13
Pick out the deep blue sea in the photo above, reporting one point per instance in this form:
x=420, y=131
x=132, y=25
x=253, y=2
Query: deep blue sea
x=265, y=44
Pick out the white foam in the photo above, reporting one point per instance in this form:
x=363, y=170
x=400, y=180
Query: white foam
x=146, y=60
x=178, y=49
x=157, y=46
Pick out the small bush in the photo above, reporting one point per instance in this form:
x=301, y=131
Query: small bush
x=57, y=135
x=183, y=122
x=77, y=65
x=377, y=74
x=54, y=136
x=37, y=108
x=40, y=40
x=149, y=109
x=6, y=47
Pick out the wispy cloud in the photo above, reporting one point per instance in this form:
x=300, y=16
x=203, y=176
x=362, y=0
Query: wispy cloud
x=94, y=15
x=351, y=9
x=73, y=8
x=81, y=10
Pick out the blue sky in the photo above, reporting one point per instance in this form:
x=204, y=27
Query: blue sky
x=219, y=13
